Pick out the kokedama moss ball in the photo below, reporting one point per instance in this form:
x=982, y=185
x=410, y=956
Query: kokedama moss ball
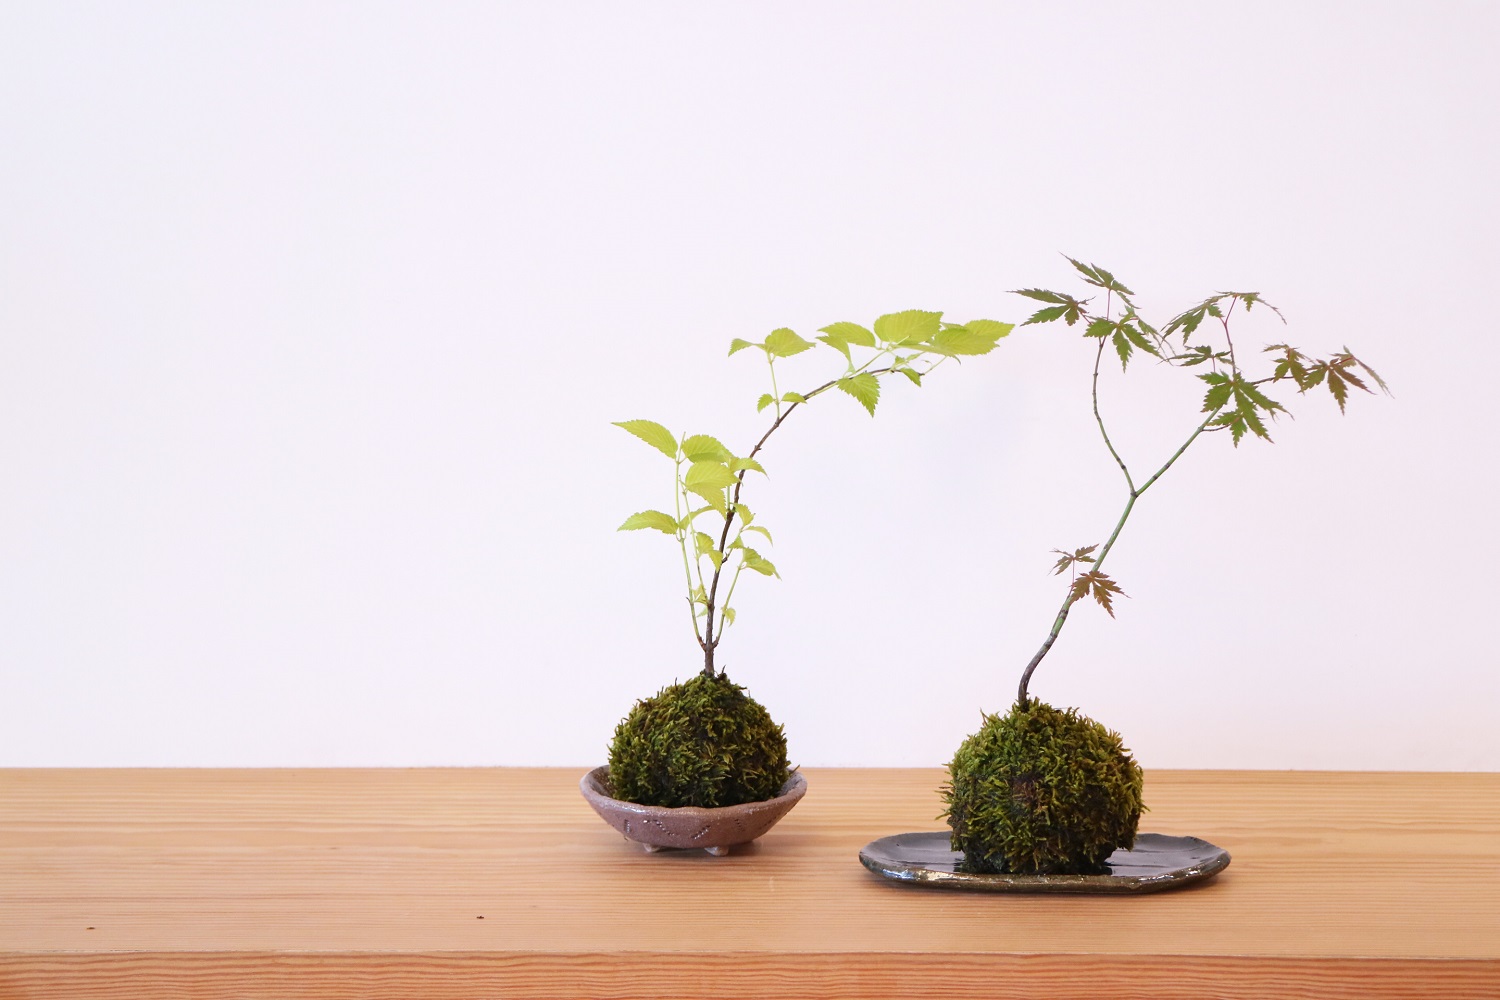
x=1042, y=791
x=701, y=742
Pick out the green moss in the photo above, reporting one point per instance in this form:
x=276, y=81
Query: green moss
x=1042, y=791
x=702, y=742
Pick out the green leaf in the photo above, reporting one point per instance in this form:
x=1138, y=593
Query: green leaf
x=713, y=494
x=745, y=514
x=1218, y=393
x=862, y=387
x=690, y=516
x=727, y=613
x=1099, y=328
x=783, y=343
x=1122, y=348
x=754, y=560
x=742, y=464
x=702, y=448
x=1046, y=315
x=1099, y=277
x=910, y=326
x=665, y=523
x=704, y=546
x=915, y=376
x=842, y=346
x=1041, y=295
x=990, y=329
x=653, y=434
x=715, y=475
x=793, y=397
x=763, y=531
x=1139, y=339
x=850, y=333
x=739, y=345
x=765, y=400
x=960, y=340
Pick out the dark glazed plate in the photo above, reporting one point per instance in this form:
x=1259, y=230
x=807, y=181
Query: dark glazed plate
x=1156, y=862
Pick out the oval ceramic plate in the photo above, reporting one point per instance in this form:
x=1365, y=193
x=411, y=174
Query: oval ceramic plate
x=1156, y=862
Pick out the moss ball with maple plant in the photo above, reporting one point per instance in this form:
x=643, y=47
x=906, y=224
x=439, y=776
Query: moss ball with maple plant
x=1042, y=791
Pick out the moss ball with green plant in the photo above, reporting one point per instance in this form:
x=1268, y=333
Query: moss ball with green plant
x=701, y=742
x=1042, y=791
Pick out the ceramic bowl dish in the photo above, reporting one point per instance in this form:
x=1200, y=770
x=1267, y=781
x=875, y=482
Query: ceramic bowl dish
x=715, y=830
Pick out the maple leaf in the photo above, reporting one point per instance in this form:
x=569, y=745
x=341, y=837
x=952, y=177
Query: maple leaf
x=1067, y=559
x=1100, y=585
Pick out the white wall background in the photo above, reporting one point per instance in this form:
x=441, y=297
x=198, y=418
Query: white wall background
x=314, y=317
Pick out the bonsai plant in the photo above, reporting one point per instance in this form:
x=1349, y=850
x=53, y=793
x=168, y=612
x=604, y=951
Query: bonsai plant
x=704, y=743
x=1043, y=791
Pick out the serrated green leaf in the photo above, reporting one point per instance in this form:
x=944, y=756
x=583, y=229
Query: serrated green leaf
x=960, y=340
x=744, y=513
x=765, y=400
x=727, y=614
x=754, y=560
x=909, y=326
x=710, y=473
x=739, y=345
x=702, y=448
x=990, y=329
x=784, y=343
x=665, y=523
x=793, y=397
x=690, y=516
x=1041, y=295
x=1139, y=339
x=703, y=543
x=862, y=387
x=1219, y=391
x=841, y=346
x=714, y=495
x=1046, y=315
x=850, y=333
x=1122, y=347
x=915, y=376
x=763, y=531
x=1088, y=273
x=743, y=464
x=653, y=434
x=1099, y=328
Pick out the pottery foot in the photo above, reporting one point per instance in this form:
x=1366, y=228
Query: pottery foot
x=650, y=848
x=717, y=852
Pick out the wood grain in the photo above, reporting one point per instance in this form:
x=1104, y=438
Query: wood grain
x=501, y=882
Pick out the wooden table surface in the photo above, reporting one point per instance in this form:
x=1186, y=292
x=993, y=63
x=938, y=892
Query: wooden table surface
x=465, y=883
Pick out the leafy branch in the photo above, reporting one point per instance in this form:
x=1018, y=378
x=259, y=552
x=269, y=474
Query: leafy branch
x=1233, y=399
x=910, y=343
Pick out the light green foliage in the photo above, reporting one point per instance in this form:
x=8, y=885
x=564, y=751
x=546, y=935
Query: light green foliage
x=1042, y=791
x=703, y=742
x=710, y=478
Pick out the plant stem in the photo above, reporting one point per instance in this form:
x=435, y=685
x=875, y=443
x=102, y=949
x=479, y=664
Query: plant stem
x=712, y=641
x=1073, y=596
x=682, y=544
x=1098, y=356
